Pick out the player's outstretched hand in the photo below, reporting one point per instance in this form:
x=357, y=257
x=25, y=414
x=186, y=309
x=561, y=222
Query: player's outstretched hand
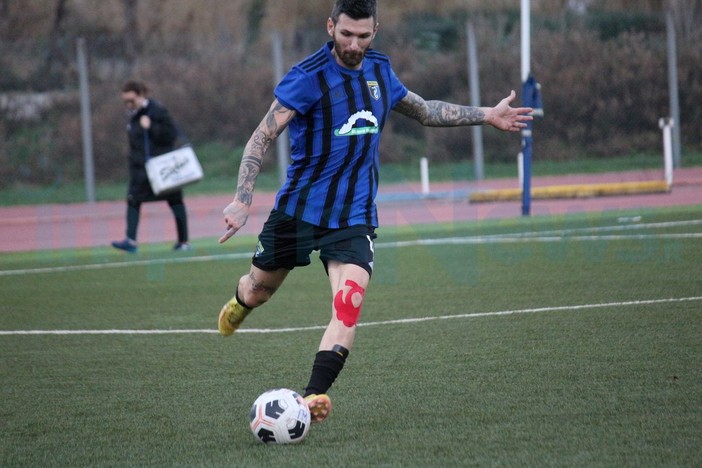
x=509, y=119
x=235, y=216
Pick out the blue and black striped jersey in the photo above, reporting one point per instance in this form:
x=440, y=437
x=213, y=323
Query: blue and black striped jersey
x=332, y=180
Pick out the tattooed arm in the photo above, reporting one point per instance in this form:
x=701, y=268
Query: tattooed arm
x=272, y=125
x=446, y=114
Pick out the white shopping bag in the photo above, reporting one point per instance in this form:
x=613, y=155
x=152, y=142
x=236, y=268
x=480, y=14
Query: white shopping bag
x=173, y=170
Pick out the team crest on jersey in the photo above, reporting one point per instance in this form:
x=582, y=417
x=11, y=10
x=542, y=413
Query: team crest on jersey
x=374, y=89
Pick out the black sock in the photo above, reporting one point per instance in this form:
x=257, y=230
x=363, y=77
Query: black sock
x=325, y=370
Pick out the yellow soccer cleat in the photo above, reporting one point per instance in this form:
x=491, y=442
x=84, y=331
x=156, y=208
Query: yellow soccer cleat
x=319, y=406
x=231, y=316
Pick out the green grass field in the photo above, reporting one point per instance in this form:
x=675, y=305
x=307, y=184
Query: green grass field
x=545, y=341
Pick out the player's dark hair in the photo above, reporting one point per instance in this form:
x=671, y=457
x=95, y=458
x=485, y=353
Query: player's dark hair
x=355, y=9
x=135, y=86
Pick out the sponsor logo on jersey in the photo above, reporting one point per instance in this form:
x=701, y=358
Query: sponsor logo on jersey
x=348, y=129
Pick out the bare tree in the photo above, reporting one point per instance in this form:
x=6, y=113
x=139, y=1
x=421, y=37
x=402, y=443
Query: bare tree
x=687, y=15
x=132, y=42
x=56, y=58
x=4, y=15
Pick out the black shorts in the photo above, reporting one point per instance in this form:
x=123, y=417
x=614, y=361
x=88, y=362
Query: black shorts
x=286, y=242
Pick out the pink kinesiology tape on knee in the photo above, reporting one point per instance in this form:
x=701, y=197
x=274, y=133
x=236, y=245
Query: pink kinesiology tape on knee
x=345, y=310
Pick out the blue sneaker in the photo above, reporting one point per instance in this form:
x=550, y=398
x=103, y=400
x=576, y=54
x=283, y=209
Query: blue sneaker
x=127, y=245
x=182, y=247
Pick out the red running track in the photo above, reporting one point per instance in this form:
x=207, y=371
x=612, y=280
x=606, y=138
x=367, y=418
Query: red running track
x=48, y=227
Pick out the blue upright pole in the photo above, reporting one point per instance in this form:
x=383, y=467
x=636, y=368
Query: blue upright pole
x=531, y=97
x=526, y=170
x=526, y=133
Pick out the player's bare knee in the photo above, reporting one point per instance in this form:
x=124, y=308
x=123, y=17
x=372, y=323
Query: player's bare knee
x=348, y=302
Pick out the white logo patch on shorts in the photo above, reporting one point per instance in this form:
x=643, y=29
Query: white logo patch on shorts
x=259, y=249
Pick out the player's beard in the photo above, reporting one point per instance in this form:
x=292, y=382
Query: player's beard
x=350, y=59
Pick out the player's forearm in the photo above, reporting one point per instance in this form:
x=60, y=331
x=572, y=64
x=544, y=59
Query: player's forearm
x=251, y=164
x=440, y=113
x=446, y=114
x=248, y=172
x=272, y=125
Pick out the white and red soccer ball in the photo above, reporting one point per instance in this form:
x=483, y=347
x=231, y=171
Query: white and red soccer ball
x=279, y=416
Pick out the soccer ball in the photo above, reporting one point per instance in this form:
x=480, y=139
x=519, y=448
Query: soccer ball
x=279, y=416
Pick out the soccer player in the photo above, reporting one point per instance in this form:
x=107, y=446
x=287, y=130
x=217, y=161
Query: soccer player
x=335, y=104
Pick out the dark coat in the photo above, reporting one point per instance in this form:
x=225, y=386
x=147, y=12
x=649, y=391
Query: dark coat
x=162, y=136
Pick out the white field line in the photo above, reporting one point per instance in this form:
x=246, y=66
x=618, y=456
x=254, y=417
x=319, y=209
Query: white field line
x=535, y=236
x=133, y=263
x=570, y=308
x=562, y=235
x=524, y=239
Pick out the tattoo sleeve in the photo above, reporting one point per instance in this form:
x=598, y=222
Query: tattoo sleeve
x=272, y=125
x=439, y=113
x=248, y=172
